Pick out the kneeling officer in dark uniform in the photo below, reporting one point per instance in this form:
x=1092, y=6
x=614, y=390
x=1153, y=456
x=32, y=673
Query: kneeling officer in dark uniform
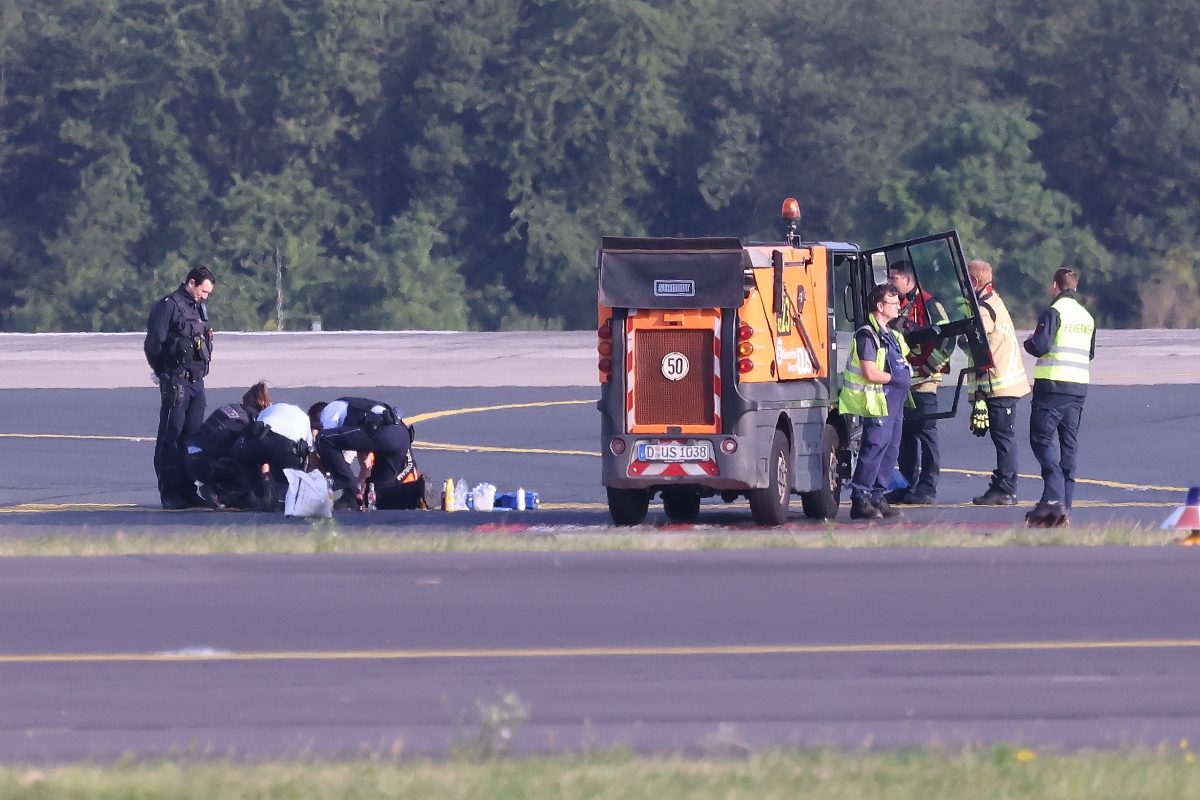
x=209, y=452
x=179, y=348
x=278, y=440
x=382, y=439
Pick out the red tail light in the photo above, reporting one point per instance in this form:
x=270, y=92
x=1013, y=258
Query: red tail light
x=745, y=332
x=605, y=329
x=605, y=365
x=745, y=365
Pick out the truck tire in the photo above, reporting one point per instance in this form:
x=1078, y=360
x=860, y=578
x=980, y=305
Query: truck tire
x=681, y=505
x=823, y=503
x=769, y=506
x=628, y=506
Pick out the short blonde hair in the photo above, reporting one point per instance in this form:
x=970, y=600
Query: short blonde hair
x=980, y=271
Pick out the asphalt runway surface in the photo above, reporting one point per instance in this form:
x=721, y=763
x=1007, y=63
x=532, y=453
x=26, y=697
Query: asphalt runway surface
x=258, y=656
x=84, y=457
x=699, y=652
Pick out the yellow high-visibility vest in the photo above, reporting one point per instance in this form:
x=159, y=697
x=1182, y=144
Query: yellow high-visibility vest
x=1069, y=359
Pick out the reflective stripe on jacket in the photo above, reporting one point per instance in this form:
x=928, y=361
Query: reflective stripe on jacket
x=1069, y=359
x=1007, y=377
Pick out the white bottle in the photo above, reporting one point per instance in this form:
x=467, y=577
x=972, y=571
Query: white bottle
x=520, y=499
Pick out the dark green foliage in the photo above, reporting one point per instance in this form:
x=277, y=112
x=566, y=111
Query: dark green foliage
x=453, y=163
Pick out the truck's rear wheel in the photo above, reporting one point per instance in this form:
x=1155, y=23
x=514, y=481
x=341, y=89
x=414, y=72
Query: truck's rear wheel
x=681, y=505
x=823, y=503
x=628, y=506
x=769, y=506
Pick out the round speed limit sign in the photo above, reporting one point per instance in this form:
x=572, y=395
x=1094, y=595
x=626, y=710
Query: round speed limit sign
x=675, y=366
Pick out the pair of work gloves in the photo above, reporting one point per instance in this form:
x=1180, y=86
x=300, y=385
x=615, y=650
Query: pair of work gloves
x=979, y=416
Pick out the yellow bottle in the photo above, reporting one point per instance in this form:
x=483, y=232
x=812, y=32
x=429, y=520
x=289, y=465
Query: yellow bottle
x=448, y=495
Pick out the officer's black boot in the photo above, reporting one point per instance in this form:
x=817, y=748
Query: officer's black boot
x=885, y=509
x=862, y=508
x=210, y=497
x=266, y=498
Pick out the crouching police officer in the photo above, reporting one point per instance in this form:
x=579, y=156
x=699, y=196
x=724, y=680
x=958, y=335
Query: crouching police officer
x=209, y=459
x=279, y=439
x=178, y=348
x=384, y=444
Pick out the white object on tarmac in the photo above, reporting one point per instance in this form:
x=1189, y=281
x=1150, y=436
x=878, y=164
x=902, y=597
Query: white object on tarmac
x=307, y=495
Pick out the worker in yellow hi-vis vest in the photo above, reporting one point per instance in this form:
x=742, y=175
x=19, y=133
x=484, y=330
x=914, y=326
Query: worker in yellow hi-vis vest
x=875, y=387
x=1065, y=344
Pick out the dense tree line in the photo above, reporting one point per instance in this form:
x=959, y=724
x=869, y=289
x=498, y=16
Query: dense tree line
x=453, y=163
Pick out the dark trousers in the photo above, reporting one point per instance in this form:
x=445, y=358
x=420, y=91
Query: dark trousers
x=1054, y=437
x=276, y=451
x=878, y=451
x=1002, y=419
x=389, y=443
x=180, y=416
x=400, y=495
x=919, y=458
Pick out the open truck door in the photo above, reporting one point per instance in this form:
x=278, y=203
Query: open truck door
x=941, y=270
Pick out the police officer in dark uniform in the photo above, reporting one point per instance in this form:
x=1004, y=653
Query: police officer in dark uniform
x=368, y=426
x=280, y=439
x=179, y=348
x=208, y=452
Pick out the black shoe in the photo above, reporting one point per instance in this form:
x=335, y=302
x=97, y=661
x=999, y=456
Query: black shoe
x=896, y=496
x=885, y=508
x=210, y=498
x=863, y=508
x=995, y=497
x=917, y=499
x=171, y=503
x=1051, y=515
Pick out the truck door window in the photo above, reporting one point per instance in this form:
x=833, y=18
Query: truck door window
x=941, y=276
x=847, y=300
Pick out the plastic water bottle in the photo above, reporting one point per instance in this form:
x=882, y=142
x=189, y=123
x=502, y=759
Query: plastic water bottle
x=520, y=499
x=460, y=495
x=371, y=497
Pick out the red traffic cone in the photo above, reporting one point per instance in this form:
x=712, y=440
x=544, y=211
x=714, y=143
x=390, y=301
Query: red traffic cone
x=1186, y=518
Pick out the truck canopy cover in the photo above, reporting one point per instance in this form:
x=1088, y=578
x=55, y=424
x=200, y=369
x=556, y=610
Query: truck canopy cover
x=671, y=273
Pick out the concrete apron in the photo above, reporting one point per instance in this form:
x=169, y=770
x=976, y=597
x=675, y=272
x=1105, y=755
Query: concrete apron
x=435, y=359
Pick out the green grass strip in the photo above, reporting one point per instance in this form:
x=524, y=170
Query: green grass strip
x=325, y=536
x=998, y=772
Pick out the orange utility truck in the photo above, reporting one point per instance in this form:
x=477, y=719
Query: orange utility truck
x=720, y=365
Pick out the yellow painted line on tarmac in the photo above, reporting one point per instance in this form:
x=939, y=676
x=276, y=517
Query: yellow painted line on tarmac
x=98, y=437
x=1137, y=487
x=454, y=412
x=205, y=655
x=573, y=507
x=25, y=508
x=475, y=448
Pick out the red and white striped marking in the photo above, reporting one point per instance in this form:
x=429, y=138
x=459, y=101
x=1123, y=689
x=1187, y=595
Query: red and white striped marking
x=629, y=418
x=717, y=373
x=641, y=469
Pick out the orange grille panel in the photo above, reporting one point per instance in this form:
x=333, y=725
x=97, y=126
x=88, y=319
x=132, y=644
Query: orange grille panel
x=661, y=401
